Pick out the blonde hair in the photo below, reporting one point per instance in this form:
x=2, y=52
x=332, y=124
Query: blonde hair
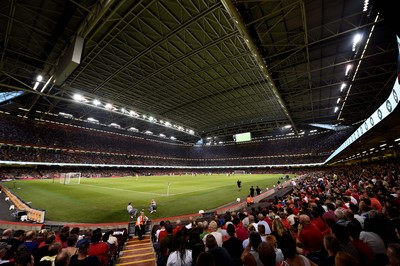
x=278, y=227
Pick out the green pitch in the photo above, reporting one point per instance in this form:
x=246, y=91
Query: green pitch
x=101, y=200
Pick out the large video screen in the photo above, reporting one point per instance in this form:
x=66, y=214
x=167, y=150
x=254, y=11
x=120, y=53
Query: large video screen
x=242, y=137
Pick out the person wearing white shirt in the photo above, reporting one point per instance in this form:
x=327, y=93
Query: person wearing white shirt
x=212, y=229
x=263, y=222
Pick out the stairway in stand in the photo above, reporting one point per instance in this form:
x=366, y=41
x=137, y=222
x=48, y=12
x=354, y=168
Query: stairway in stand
x=137, y=253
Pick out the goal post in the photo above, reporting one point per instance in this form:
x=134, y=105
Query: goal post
x=70, y=178
x=239, y=172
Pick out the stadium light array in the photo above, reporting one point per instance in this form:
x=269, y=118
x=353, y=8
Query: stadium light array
x=133, y=113
x=123, y=110
x=365, y=7
x=133, y=129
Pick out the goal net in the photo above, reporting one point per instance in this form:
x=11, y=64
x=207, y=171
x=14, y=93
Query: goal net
x=70, y=178
x=239, y=172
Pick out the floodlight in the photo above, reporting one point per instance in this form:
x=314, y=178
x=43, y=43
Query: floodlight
x=39, y=78
x=173, y=138
x=191, y=131
x=338, y=100
x=36, y=85
x=78, y=97
x=162, y=135
x=357, y=38
x=336, y=109
x=109, y=106
x=342, y=87
x=96, y=102
x=348, y=67
x=123, y=110
x=167, y=123
x=151, y=118
x=133, y=113
x=148, y=132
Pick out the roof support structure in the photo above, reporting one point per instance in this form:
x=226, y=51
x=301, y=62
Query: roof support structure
x=253, y=48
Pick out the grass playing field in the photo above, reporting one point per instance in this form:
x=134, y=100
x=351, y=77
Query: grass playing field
x=101, y=200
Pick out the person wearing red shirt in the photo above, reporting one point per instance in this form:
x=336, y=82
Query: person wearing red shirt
x=99, y=248
x=308, y=236
x=374, y=202
x=178, y=227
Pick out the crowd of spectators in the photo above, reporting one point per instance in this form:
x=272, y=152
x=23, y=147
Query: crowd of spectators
x=38, y=141
x=341, y=216
x=69, y=246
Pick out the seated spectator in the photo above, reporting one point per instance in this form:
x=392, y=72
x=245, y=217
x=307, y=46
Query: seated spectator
x=30, y=245
x=178, y=227
x=71, y=245
x=245, y=243
x=345, y=259
x=233, y=245
x=43, y=249
x=205, y=259
x=62, y=259
x=221, y=255
x=266, y=254
x=153, y=206
x=250, y=254
x=278, y=252
x=166, y=245
x=53, y=250
x=261, y=220
x=83, y=258
x=86, y=237
x=99, y=248
x=4, y=259
x=340, y=232
x=292, y=258
x=16, y=240
x=195, y=243
x=393, y=253
x=181, y=254
x=279, y=231
x=212, y=229
x=110, y=239
x=23, y=258
x=309, y=237
x=331, y=246
x=363, y=249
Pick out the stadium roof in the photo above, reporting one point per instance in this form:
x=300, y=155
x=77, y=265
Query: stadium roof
x=215, y=67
